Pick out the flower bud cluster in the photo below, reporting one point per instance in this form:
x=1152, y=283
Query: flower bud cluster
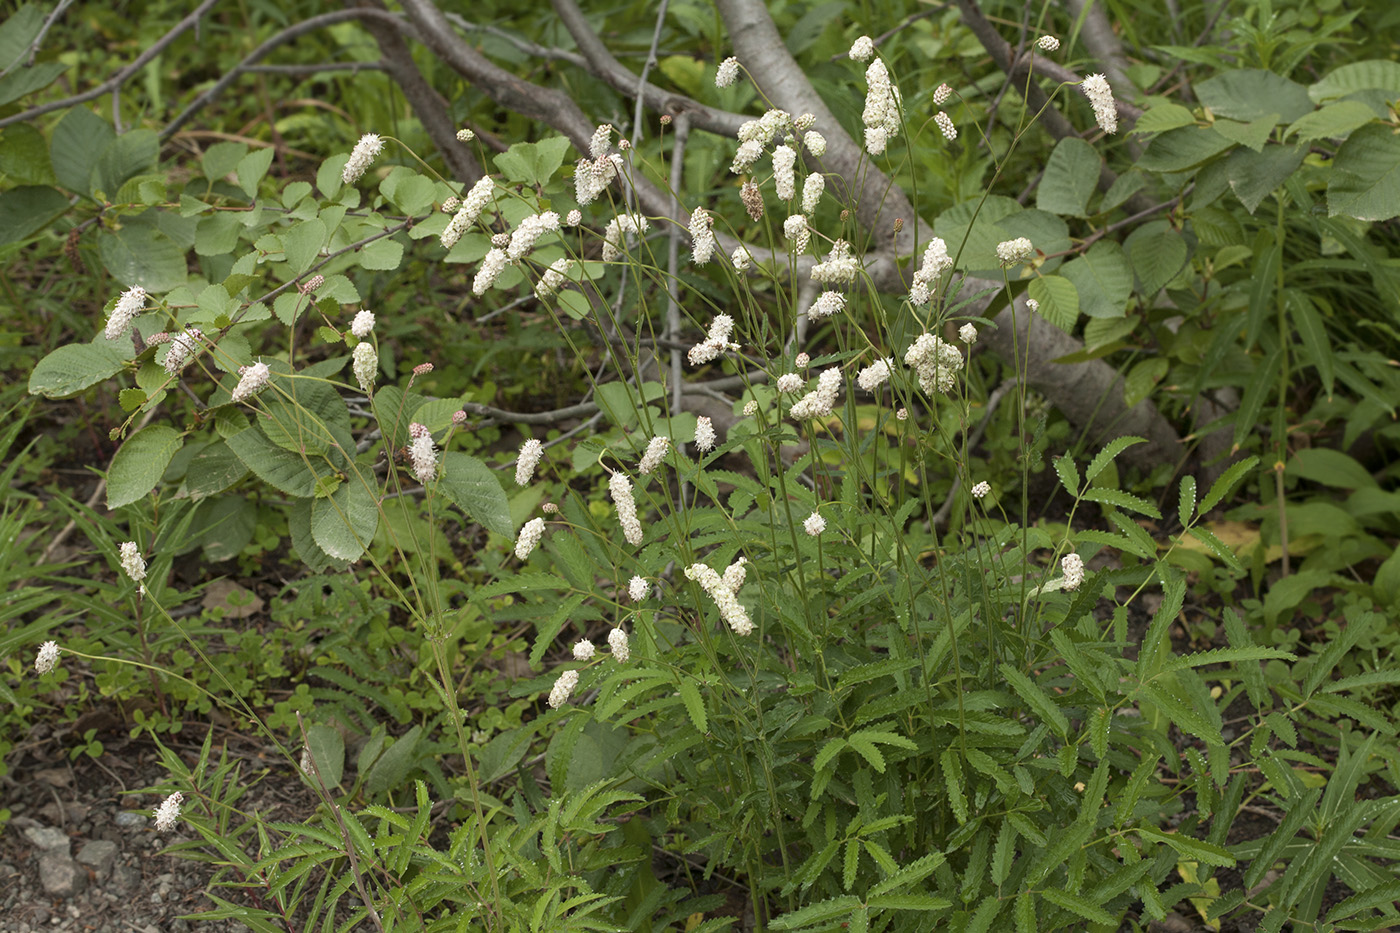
x=797, y=233
x=655, y=454
x=528, y=232
x=363, y=324
x=935, y=362
x=727, y=73
x=936, y=262
x=715, y=343
x=182, y=350
x=1010, y=252
x=875, y=375
x=617, y=641
x=1100, y=95
x=1073, y=567
x=365, y=361
x=882, y=108
x=827, y=304
x=554, y=276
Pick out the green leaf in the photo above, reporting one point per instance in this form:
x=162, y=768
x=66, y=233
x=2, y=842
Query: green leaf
x=1163, y=117
x=1037, y=700
x=74, y=367
x=1250, y=135
x=1103, y=278
x=1110, y=452
x=1383, y=896
x=1158, y=253
x=867, y=750
x=1374, y=73
x=1365, y=180
x=327, y=748
x=23, y=81
x=1255, y=175
x=909, y=902
x=1251, y=93
x=1223, y=486
x=1182, y=715
x=473, y=488
x=279, y=468
x=1329, y=468
x=1335, y=121
x=18, y=32
x=343, y=524
x=221, y=159
x=1142, y=379
x=953, y=782
x=1068, y=473
x=822, y=911
x=251, y=169
x=1071, y=176
x=26, y=210
x=381, y=255
x=533, y=163
x=1181, y=149
x=213, y=469
x=217, y=234
x=302, y=244
x=1123, y=500
x=1079, y=905
x=140, y=464
x=24, y=156
x=1313, y=332
x=1058, y=300
x=76, y=145
x=694, y=704
x=394, y=765
x=130, y=154
x=1025, y=913
x=140, y=254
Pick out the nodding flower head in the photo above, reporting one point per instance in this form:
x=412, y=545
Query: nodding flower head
x=369, y=146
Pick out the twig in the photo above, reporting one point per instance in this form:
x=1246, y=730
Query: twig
x=297, y=71
x=524, y=45
x=118, y=79
x=32, y=50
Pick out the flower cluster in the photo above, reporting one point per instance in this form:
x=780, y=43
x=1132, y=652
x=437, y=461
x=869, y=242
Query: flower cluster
x=369, y=146
x=554, y=277
x=840, y=266
x=482, y=194
x=182, y=350
x=827, y=304
x=421, y=453
x=529, y=537
x=362, y=324
x=48, y=657
x=814, y=525
x=797, y=232
x=465, y=135
x=715, y=343
x=530, y=453
x=820, y=401
x=617, y=228
x=1100, y=96
x=168, y=812
x=617, y=641
x=1073, y=567
x=492, y=265
x=755, y=135
x=727, y=73
x=790, y=383
x=882, y=108
x=365, y=364
x=563, y=689
x=815, y=143
x=702, y=236
x=620, y=487
x=528, y=232
x=1047, y=43
x=863, y=49
x=875, y=375
x=132, y=561
x=253, y=380
x=936, y=262
x=583, y=650
x=592, y=176
x=784, y=175
x=655, y=454
x=945, y=126
x=704, y=434
x=752, y=199
x=935, y=362
x=637, y=589
x=724, y=591
x=131, y=303
x=1010, y=252
x=967, y=334
x=941, y=95
x=981, y=490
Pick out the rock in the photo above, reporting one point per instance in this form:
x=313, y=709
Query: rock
x=47, y=837
x=128, y=820
x=125, y=880
x=100, y=856
x=60, y=875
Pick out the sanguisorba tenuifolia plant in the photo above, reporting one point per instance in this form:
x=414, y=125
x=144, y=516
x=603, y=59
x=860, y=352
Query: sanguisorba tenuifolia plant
x=807, y=690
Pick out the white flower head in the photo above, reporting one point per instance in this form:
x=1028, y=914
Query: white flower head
x=821, y=401
x=563, y=689
x=637, y=589
x=840, y=267
x=814, y=524
x=702, y=236
x=863, y=49
x=1010, y=252
x=365, y=364
x=168, y=812
x=941, y=95
x=882, y=108
x=981, y=490
x=48, y=657
x=715, y=342
x=131, y=303
x=617, y=229
x=945, y=125
x=362, y=324
x=492, y=265
x=528, y=232
x=797, y=233
x=815, y=143
x=875, y=375
x=790, y=383
x=529, y=538
x=530, y=453
x=573, y=218
x=827, y=304
x=1047, y=43
x=704, y=434
x=1032, y=305
x=253, y=380
x=750, y=408
x=465, y=135
x=935, y=362
x=967, y=334
x=784, y=182
x=182, y=350
x=727, y=73
x=421, y=453
x=724, y=591
x=583, y=650
x=936, y=261
x=801, y=360
x=365, y=151
x=1100, y=95
x=553, y=278
x=902, y=414
x=482, y=194
x=741, y=259
x=602, y=140
x=746, y=156
x=812, y=189
x=617, y=641
x=655, y=454
x=1072, y=566
x=620, y=487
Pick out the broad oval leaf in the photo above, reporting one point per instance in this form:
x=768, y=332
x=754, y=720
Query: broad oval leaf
x=343, y=524
x=140, y=463
x=474, y=489
x=72, y=368
x=1071, y=175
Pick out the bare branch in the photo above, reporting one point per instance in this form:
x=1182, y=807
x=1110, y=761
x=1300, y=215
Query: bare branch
x=1099, y=38
x=118, y=79
x=529, y=48
x=427, y=103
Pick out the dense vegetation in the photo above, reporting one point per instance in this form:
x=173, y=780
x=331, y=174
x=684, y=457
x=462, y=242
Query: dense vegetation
x=918, y=483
